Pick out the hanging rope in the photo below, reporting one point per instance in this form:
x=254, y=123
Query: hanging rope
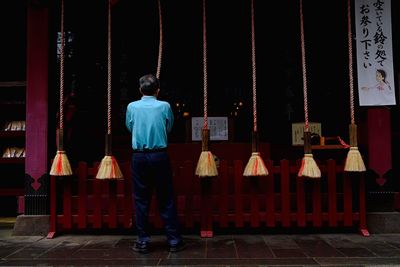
x=253, y=60
x=62, y=59
x=109, y=69
x=206, y=166
x=303, y=62
x=255, y=165
x=309, y=167
x=60, y=165
x=108, y=168
x=354, y=161
x=160, y=46
x=205, y=126
x=351, y=82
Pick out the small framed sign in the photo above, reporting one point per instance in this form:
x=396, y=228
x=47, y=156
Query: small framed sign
x=218, y=128
x=298, y=131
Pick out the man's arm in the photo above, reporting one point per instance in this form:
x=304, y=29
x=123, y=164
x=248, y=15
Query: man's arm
x=128, y=119
x=170, y=118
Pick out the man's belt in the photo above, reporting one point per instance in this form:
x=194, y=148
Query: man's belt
x=147, y=150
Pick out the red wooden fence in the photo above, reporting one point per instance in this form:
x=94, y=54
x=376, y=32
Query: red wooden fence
x=229, y=201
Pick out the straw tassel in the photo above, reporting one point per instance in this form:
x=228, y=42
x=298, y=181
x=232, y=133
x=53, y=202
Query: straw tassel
x=60, y=165
x=309, y=167
x=206, y=166
x=108, y=168
x=354, y=161
x=255, y=166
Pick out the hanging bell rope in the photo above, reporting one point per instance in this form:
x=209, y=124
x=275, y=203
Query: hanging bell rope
x=255, y=165
x=61, y=165
x=160, y=45
x=309, y=167
x=354, y=161
x=109, y=168
x=206, y=166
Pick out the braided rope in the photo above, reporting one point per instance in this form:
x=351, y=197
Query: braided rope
x=62, y=68
x=253, y=60
x=205, y=126
x=109, y=71
x=351, y=81
x=303, y=61
x=160, y=46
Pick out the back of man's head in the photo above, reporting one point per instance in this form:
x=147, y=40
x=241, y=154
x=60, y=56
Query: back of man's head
x=149, y=84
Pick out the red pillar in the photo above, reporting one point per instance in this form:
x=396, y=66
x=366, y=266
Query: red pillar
x=379, y=142
x=36, y=164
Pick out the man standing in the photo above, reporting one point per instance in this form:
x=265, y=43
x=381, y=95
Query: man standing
x=150, y=120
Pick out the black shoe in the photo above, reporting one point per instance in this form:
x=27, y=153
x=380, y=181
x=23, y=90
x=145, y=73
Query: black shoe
x=178, y=247
x=141, y=247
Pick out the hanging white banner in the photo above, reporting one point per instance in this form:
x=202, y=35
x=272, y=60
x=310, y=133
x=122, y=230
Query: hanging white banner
x=374, y=52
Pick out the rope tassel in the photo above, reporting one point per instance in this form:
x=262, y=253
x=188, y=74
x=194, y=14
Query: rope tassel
x=255, y=166
x=354, y=161
x=206, y=166
x=108, y=168
x=309, y=167
x=61, y=165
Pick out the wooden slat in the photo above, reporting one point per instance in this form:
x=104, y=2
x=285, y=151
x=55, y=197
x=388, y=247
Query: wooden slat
x=112, y=204
x=67, y=195
x=300, y=202
x=348, y=204
x=270, y=195
x=254, y=203
x=238, y=178
x=317, y=205
x=205, y=202
x=332, y=199
x=223, y=203
x=363, y=210
x=82, y=195
x=187, y=175
x=53, y=208
x=97, y=223
x=128, y=202
x=285, y=193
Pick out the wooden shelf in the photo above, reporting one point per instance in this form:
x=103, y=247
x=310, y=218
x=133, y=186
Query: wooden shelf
x=12, y=134
x=324, y=147
x=14, y=110
x=12, y=160
x=12, y=191
x=328, y=147
x=12, y=84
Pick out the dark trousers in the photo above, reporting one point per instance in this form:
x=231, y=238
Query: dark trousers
x=152, y=171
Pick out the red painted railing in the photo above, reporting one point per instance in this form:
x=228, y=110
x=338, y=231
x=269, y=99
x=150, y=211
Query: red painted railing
x=229, y=201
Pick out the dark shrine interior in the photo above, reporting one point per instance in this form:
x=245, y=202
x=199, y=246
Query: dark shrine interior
x=135, y=42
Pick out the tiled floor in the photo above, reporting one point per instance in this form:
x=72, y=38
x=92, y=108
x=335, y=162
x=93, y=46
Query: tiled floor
x=223, y=250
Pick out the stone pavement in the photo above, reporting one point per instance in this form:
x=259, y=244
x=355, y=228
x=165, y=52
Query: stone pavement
x=349, y=249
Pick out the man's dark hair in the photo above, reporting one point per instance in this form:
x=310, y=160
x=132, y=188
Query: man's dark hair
x=149, y=84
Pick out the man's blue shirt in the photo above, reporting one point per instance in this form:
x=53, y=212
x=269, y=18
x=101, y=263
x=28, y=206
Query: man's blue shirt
x=149, y=120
